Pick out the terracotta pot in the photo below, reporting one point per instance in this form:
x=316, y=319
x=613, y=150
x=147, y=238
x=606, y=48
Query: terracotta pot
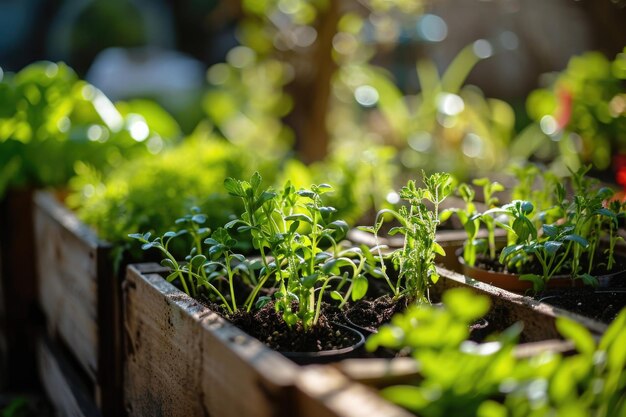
x=511, y=282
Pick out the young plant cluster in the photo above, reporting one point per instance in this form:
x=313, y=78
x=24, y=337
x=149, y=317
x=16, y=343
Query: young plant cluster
x=417, y=222
x=300, y=263
x=463, y=378
x=299, y=257
x=549, y=233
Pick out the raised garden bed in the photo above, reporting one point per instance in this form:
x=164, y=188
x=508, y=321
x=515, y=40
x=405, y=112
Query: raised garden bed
x=183, y=359
x=79, y=295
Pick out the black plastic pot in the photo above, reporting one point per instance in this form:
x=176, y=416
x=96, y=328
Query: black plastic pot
x=327, y=356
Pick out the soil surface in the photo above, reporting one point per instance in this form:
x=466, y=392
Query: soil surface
x=268, y=326
x=601, y=305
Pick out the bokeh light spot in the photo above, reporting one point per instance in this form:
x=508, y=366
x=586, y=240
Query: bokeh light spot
x=482, y=48
x=548, y=125
x=432, y=28
x=366, y=95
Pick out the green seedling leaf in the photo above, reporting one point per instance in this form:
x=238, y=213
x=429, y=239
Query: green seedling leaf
x=299, y=217
x=552, y=247
x=262, y=301
x=508, y=251
x=306, y=193
x=445, y=215
x=322, y=256
x=294, y=227
x=537, y=281
x=168, y=263
x=395, y=230
x=576, y=333
x=210, y=241
x=550, y=230
x=265, y=197
x=336, y=295
x=256, y=180
x=197, y=261
x=438, y=249
x=605, y=212
x=137, y=236
x=464, y=304
x=339, y=225
x=589, y=279
x=239, y=257
x=359, y=288
x=577, y=239
x=327, y=210
x=171, y=277
x=234, y=187
x=309, y=281
x=147, y=246
x=198, y=218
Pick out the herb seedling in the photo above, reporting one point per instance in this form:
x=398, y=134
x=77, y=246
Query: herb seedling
x=416, y=259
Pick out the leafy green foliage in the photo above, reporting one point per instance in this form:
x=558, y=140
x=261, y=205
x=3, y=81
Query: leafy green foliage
x=290, y=229
x=150, y=193
x=49, y=119
x=463, y=378
x=584, y=102
x=561, y=235
x=415, y=261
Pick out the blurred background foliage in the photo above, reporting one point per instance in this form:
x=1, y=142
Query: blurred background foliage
x=359, y=93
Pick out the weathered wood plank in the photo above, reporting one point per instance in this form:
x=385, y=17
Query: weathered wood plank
x=68, y=279
x=323, y=391
x=80, y=296
x=183, y=359
x=539, y=318
x=69, y=395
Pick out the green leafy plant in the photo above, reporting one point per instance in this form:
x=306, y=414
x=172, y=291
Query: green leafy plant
x=291, y=230
x=49, y=120
x=581, y=111
x=559, y=235
x=415, y=261
x=463, y=378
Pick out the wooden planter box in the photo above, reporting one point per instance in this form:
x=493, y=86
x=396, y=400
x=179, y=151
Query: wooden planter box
x=80, y=297
x=185, y=360
x=540, y=333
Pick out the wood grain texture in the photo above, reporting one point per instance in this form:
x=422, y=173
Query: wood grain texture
x=80, y=296
x=69, y=395
x=539, y=318
x=323, y=391
x=184, y=360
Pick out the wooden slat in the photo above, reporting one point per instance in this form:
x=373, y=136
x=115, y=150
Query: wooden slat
x=68, y=279
x=184, y=360
x=322, y=391
x=80, y=296
x=538, y=318
x=63, y=386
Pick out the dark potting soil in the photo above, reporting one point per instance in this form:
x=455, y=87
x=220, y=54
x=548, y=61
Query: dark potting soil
x=486, y=263
x=268, y=326
x=601, y=305
x=371, y=314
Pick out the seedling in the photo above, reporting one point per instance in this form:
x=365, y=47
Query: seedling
x=415, y=261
